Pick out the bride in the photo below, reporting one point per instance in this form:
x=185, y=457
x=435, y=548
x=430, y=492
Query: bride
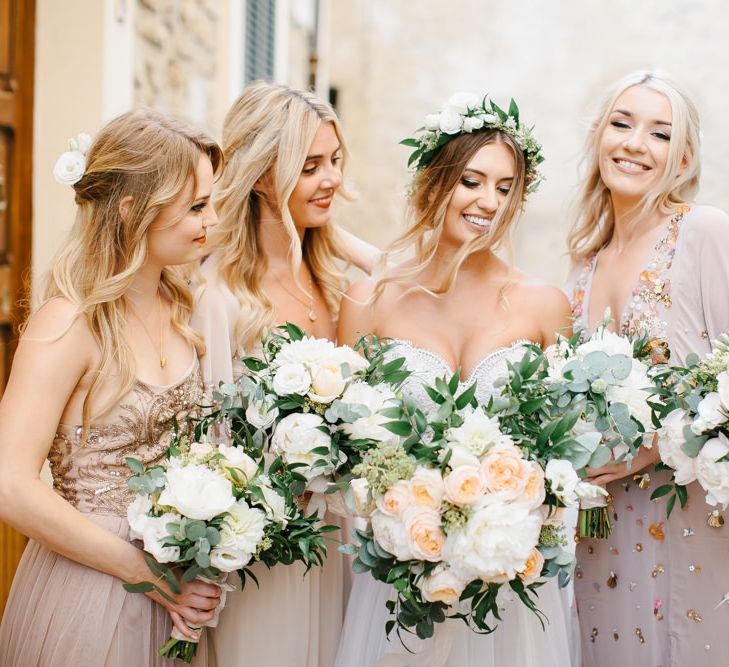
x=458, y=306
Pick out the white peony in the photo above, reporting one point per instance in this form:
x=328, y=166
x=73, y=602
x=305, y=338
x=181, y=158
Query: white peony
x=462, y=102
x=155, y=533
x=712, y=474
x=294, y=438
x=138, y=516
x=240, y=533
x=605, y=341
x=451, y=121
x=235, y=457
x=196, y=491
x=391, y=535
x=291, y=378
x=344, y=354
x=723, y=390
x=478, y=433
x=308, y=351
x=563, y=480
x=442, y=585
x=261, y=414
x=710, y=412
x=374, y=398
x=497, y=540
x=70, y=167
x=670, y=439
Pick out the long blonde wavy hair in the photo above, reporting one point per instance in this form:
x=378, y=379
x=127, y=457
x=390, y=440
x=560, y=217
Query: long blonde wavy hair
x=150, y=158
x=268, y=133
x=430, y=195
x=593, y=218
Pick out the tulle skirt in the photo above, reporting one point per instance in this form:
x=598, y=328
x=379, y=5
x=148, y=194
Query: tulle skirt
x=62, y=613
x=519, y=641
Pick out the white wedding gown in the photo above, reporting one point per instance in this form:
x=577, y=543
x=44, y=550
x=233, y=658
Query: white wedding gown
x=519, y=640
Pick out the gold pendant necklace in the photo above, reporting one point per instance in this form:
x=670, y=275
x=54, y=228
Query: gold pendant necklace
x=312, y=313
x=160, y=349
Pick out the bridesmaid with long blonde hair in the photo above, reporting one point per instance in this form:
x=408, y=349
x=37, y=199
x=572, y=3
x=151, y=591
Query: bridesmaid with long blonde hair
x=276, y=259
x=652, y=593
x=105, y=368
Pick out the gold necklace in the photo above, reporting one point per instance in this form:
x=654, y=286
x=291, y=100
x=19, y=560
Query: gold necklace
x=160, y=349
x=312, y=313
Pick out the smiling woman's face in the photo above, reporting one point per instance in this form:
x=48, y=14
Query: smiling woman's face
x=634, y=146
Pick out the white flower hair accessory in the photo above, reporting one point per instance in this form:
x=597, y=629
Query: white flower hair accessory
x=70, y=167
x=464, y=113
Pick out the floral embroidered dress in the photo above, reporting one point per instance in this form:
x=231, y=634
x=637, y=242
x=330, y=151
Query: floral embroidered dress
x=62, y=613
x=652, y=593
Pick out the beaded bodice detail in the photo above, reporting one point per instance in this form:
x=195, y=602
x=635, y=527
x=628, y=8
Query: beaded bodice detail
x=426, y=366
x=92, y=475
x=644, y=312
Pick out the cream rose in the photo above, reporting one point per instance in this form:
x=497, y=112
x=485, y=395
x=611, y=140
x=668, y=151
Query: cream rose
x=427, y=487
x=396, y=499
x=534, y=491
x=533, y=568
x=235, y=457
x=327, y=382
x=425, y=537
x=464, y=485
x=442, y=586
x=505, y=471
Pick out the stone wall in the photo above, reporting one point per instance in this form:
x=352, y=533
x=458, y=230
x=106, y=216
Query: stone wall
x=393, y=61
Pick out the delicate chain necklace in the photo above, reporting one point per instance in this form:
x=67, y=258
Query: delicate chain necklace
x=312, y=313
x=160, y=349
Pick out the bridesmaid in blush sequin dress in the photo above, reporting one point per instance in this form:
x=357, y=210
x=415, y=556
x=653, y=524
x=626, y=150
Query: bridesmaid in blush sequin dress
x=651, y=594
x=106, y=369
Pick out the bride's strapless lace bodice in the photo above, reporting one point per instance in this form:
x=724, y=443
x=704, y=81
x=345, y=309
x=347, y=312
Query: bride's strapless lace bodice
x=93, y=475
x=426, y=366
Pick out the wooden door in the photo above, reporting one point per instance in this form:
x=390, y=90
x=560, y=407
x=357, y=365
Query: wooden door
x=17, y=51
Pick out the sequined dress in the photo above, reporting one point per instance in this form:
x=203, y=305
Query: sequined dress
x=519, y=640
x=62, y=613
x=650, y=594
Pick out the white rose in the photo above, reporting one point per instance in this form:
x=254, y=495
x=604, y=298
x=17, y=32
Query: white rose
x=294, y=438
x=442, y=586
x=670, y=439
x=274, y=501
x=723, y=389
x=138, y=516
x=478, y=433
x=432, y=122
x=497, y=540
x=472, y=123
x=563, y=479
x=391, y=535
x=346, y=355
x=235, y=457
x=154, y=533
x=84, y=142
x=70, y=167
x=261, y=414
x=462, y=102
x=710, y=412
x=327, y=382
x=227, y=559
x=374, y=398
x=291, y=378
x=605, y=341
x=712, y=474
x=451, y=121
x=240, y=533
x=196, y=491
x=308, y=351
x=632, y=392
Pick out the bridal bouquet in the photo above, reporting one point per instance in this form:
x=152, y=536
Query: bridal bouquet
x=457, y=509
x=313, y=404
x=603, y=387
x=209, y=510
x=693, y=439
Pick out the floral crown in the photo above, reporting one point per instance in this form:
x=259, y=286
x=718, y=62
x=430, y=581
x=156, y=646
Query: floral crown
x=463, y=114
x=70, y=167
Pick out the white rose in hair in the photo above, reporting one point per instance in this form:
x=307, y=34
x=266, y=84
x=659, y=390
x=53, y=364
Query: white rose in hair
x=432, y=122
x=294, y=439
x=261, y=414
x=712, y=474
x=154, y=533
x=84, y=142
x=670, y=439
x=196, y=491
x=391, y=535
x=235, y=457
x=327, y=382
x=442, y=586
x=291, y=378
x=451, y=121
x=70, y=167
x=472, y=123
x=462, y=102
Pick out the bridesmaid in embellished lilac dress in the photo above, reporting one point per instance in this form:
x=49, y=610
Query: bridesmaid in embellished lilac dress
x=104, y=370
x=654, y=593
